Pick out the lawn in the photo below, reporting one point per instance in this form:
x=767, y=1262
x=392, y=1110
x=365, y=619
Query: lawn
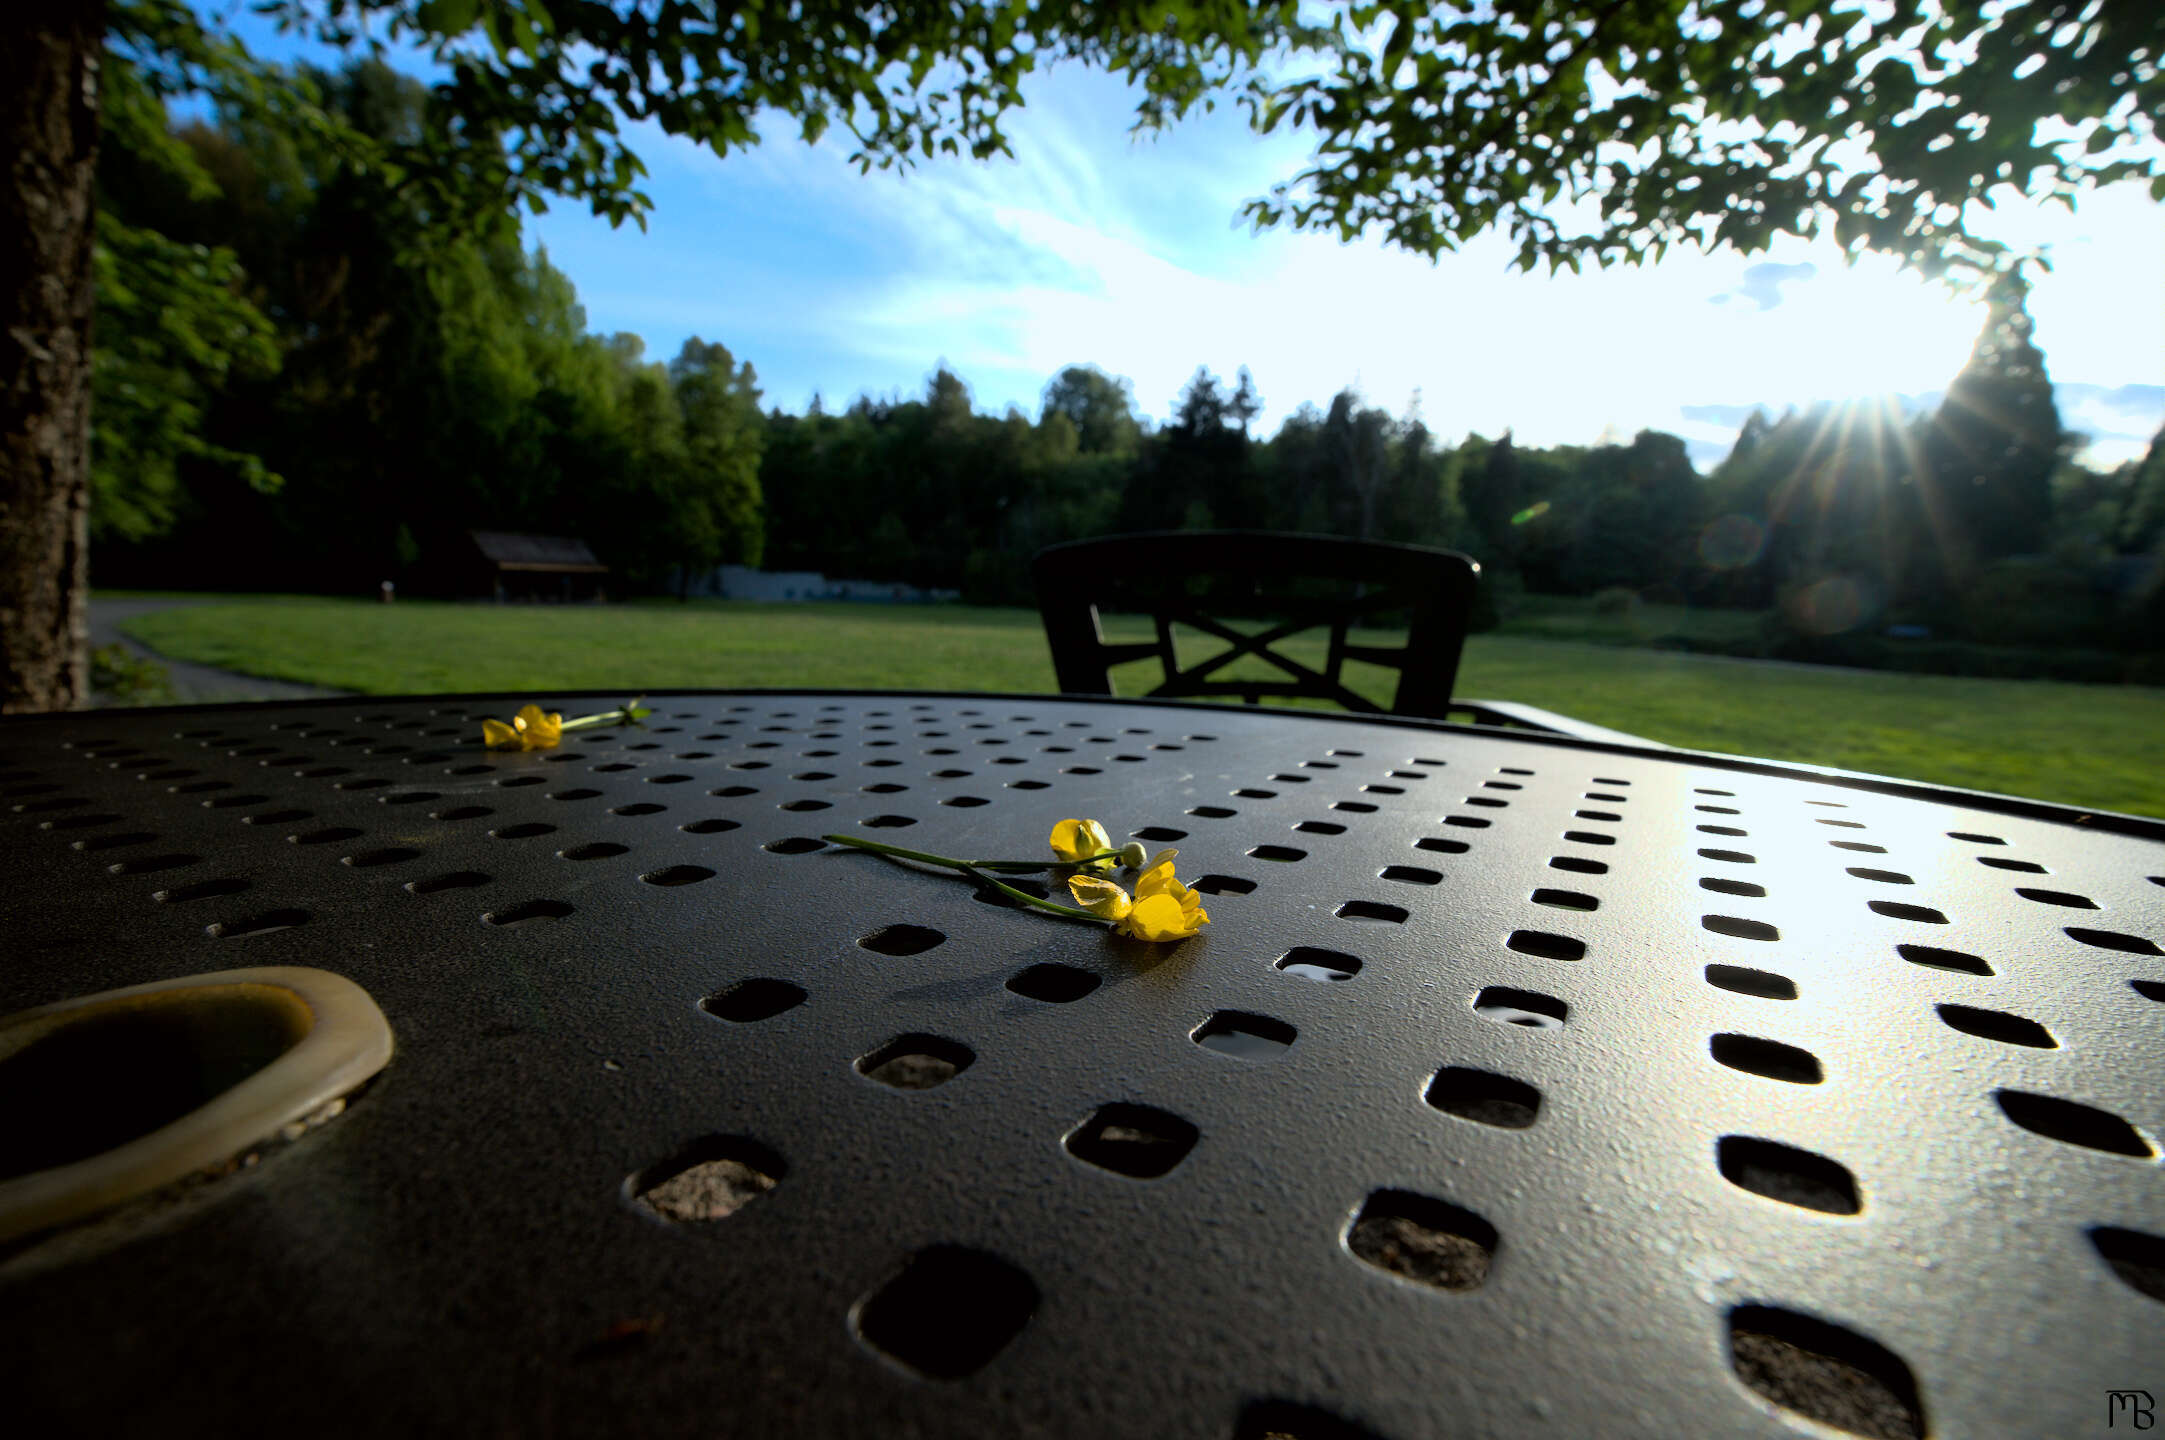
x=2101, y=746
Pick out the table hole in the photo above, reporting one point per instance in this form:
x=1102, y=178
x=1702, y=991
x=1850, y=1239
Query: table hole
x=1838, y=824
x=2073, y=1123
x=1411, y=875
x=1528, y=1009
x=797, y=845
x=1975, y=839
x=801, y=807
x=1785, y=1173
x=1318, y=765
x=1473, y=822
x=1442, y=846
x=1717, y=809
x=641, y=808
x=1501, y=785
x=455, y=770
x=1283, y=854
x=526, y=831
x=748, y=765
x=1028, y=784
x=2149, y=989
x=1387, y=790
x=674, y=875
x=1370, y=910
x=1487, y=802
x=749, y=1001
x=1729, y=830
x=389, y=855
x=1485, y=1098
x=511, y=783
x=1310, y=963
x=328, y=836
x=708, y=827
x=79, y=822
x=2113, y=940
x=118, y=841
x=262, y=924
x=885, y=822
x=2057, y=897
x=1939, y=959
x=1053, y=983
x=1760, y=984
x=450, y=880
x=529, y=910
x=1769, y=1059
x=1997, y=1025
x=708, y=1180
x=1320, y=827
x=205, y=890
x=1732, y=887
x=1138, y=1141
x=2138, y=1259
x=948, y=1312
x=1224, y=885
x=1256, y=794
x=1604, y=795
x=1214, y=812
x=1354, y=807
x=1158, y=834
x=1244, y=1036
x=411, y=797
x=1895, y=910
x=1731, y=794
x=1731, y=857
x=885, y=787
x=461, y=812
x=1545, y=945
x=986, y=894
x=1422, y=1239
x=916, y=1062
x=703, y=754
x=1824, y=1372
x=1566, y=900
x=1080, y=770
x=1293, y=779
x=200, y=787
x=2027, y=867
x=1576, y=864
x=1588, y=837
x=809, y=777
x=223, y=802
x=900, y=939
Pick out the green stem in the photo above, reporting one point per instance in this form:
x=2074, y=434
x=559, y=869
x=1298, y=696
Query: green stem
x=1031, y=900
x=1004, y=867
x=880, y=847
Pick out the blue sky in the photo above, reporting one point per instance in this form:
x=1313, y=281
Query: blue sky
x=1090, y=247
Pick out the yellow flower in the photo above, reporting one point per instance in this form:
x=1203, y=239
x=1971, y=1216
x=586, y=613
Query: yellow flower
x=1075, y=841
x=1162, y=908
x=530, y=729
x=1162, y=903
x=1101, y=898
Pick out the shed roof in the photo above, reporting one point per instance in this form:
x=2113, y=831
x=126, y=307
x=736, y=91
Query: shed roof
x=556, y=553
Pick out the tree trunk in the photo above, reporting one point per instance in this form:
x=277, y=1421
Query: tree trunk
x=49, y=57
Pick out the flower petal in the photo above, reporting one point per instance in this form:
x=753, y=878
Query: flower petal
x=1101, y=898
x=497, y=735
x=1077, y=840
x=1160, y=918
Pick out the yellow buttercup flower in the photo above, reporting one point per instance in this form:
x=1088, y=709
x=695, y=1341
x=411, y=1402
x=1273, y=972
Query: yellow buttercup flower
x=1076, y=841
x=1181, y=914
x=1161, y=909
x=530, y=729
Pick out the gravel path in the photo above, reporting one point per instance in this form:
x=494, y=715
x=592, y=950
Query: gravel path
x=192, y=684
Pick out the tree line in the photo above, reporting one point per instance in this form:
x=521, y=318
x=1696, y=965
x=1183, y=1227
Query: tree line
x=301, y=383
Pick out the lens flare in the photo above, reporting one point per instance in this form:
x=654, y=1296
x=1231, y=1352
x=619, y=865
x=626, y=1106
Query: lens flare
x=1531, y=513
x=1731, y=542
x=1833, y=605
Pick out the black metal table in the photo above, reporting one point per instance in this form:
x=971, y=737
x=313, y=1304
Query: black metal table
x=1519, y=1086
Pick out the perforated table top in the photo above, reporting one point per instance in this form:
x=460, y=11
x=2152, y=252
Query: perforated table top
x=1519, y=1086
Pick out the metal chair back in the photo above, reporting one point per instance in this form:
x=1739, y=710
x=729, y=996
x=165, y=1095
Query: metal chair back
x=1283, y=586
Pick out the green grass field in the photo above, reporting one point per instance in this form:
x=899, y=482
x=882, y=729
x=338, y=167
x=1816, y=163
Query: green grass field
x=2099, y=746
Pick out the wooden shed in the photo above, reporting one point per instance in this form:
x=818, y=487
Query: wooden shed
x=537, y=567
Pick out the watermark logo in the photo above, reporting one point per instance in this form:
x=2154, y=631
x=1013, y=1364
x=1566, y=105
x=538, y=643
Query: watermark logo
x=2136, y=1405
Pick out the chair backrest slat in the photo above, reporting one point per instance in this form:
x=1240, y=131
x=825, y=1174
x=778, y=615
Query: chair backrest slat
x=1258, y=574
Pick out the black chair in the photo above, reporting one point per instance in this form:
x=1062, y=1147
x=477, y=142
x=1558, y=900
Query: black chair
x=1289, y=583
